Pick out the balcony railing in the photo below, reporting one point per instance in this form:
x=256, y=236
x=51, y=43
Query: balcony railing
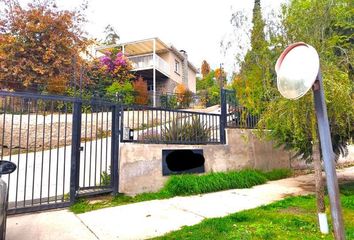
x=146, y=62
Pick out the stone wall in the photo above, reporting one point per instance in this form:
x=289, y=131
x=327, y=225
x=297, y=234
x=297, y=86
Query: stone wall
x=141, y=164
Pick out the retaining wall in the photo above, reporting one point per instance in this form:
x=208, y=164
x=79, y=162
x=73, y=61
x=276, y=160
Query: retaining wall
x=141, y=164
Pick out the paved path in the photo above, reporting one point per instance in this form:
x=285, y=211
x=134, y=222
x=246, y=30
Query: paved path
x=154, y=218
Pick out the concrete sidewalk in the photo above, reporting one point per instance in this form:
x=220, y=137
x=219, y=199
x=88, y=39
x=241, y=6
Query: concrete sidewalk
x=154, y=218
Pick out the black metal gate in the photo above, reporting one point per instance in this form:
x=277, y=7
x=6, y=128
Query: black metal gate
x=99, y=143
x=63, y=148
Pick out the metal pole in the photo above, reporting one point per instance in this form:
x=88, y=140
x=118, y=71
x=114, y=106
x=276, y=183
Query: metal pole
x=223, y=116
x=154, y=71
x=75, y=151
x=115, y=149
x=328, y=158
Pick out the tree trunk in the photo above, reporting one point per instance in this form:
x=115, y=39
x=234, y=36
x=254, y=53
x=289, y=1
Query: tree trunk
x=321, y=208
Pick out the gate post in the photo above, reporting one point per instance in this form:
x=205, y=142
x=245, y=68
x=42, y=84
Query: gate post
x=223, y=116
x=115, y=149
x=75, y=150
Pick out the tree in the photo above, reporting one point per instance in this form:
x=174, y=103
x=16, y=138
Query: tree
x=293, y=123
x=40, y=46
x=220, y=75
x=254, y=89
x=141, y=91
x=209, y=89
x=317, y=30
x=112, y=36
x=205, y=68
x=112, y=67
x=184, y=95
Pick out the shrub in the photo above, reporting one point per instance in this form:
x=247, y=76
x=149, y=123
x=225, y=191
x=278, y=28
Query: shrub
x=121, y=92
x=184, y=96
x=109, y=71
x=187, y=99
x=105, y=178
x=193, y=129
x=168, y=101
x=150, y=136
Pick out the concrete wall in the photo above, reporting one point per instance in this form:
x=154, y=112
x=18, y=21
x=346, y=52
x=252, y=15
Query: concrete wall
x=141, y=164
x=192, y=81
x=170, y=58
x=176, y=78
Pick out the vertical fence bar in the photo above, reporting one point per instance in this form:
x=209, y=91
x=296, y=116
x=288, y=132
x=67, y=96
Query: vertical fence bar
x=42, y=160
x=50, y=147
x=106, y=155
x=222, y=122
x=58, y=154
x=35, y=149
x=91, y=138
x=19, y=153
x=96, y=139
x=27, y=146
x=121, y=124
x=103, y=135
x=84, y=174
x=64, y=162
x=3, y=128
x=75, y=151
x=115, y=149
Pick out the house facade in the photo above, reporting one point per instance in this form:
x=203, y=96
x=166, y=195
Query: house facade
x=162, y=66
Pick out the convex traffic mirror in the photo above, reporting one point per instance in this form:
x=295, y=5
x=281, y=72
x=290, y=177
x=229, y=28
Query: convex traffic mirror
x=297, y=69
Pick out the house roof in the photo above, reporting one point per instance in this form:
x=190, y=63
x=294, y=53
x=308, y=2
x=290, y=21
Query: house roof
x=145, y=46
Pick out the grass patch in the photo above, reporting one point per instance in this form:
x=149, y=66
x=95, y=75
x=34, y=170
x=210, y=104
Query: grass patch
x=188, y=184
x=183, y=185
x=277, y=174
x=291, y=218
x=83, y=205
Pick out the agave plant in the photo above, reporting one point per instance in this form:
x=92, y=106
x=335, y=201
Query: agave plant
x=188, y=129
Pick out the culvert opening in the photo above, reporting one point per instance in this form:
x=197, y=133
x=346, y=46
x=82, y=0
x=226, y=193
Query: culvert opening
x=182, y=161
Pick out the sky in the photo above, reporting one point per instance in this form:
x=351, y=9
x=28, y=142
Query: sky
x=197, y=27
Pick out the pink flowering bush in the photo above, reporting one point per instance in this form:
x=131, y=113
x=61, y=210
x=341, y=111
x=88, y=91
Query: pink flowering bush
x=111, y=74
x=115, y=66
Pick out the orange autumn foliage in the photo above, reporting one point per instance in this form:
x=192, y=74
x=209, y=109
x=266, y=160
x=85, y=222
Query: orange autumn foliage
x=220, y=75
x=39, y=46
x=180, y=91
x=140, y=88
x=205, y=68
x=184, y=95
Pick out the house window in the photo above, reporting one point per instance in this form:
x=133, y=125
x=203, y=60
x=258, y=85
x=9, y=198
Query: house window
x=176, y=66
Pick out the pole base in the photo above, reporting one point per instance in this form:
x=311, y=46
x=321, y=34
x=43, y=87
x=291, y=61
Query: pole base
x=322, y=219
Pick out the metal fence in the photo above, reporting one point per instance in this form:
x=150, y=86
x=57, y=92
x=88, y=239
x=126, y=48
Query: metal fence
x=67, y=147
x=33, y=130
x=98, y=149
x=235, y=115
x=62, y=147
x=143, y=124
